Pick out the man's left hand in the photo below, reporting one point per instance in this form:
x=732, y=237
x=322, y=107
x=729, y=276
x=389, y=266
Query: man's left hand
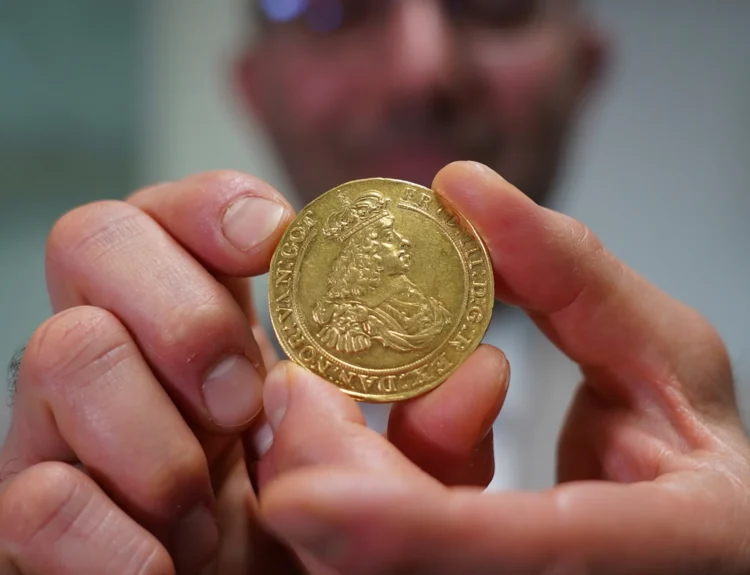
x=654, y=465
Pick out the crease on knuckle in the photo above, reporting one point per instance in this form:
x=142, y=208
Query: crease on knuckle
x=93, y=231
x=711, y=346
x=52, y=504
x=190, y=327
x=42, y=504
x=79, y=344
x=703, y=370
x=180, y=480
x=697, y=387
x=147, y=558
x=585, y=250
x=136, y=552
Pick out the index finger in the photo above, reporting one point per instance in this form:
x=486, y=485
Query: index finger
x=598, y=311
x=151, y=275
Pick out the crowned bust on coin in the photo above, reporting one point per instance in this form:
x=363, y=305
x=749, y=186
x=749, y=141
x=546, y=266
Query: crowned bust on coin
x=369, y=298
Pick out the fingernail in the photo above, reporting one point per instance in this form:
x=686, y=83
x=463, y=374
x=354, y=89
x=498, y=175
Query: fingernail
x=233, y=392
x=251, y=220
x=194, y=540
x=324, y=541
x=276, y=393
x=263, y=440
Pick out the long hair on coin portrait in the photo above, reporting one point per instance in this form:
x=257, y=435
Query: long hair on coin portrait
x=357, y=270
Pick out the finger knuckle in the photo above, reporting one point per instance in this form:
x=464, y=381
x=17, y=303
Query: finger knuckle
x=52, y=505
x=91, y=231
x=147, y=558
x=44, y=499
x=137, y=553
x=78, y=345
x=191, y=327
x=172, y=484
x=584, y=241
x=709, y=346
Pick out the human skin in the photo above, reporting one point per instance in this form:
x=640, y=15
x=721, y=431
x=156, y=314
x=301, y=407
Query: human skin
x=138, y=405
x=653, y=462
x=122, y=457
x=414, y=86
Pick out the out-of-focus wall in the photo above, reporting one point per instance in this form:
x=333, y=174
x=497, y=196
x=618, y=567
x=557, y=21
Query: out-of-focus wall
x=68, y=95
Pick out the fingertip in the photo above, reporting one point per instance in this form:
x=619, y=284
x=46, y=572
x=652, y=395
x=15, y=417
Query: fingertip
x=290, y=385
x=262, y=440
x=480, y=193
x=448, y=432
x=229, y=220
x=459, y=175
x=495, y=358
x=323, y=396
x=462, y=167
x=276, y=393
x=493, y=363
x=463, y=408
x=320, y=425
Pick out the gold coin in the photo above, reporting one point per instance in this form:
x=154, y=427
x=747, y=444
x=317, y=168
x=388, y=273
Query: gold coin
x=380, y=289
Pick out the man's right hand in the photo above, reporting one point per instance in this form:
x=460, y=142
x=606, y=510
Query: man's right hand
x=138, y=403
x=131, y=398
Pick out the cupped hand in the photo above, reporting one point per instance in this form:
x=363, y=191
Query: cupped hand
x=654, y=465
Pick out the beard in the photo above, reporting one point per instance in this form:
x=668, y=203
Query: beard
x=413, y=141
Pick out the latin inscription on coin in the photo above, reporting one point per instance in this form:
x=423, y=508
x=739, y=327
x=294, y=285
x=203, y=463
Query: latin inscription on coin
x=379, y=288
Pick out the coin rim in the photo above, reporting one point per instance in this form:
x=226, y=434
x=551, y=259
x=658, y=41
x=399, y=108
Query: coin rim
x=404, y=395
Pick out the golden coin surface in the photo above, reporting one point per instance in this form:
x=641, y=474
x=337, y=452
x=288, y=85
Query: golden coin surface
x=380, y=289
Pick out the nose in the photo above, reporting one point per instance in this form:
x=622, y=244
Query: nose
x=403, y=242
x=421, y=46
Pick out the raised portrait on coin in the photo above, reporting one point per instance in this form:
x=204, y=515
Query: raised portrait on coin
x=370, y=299
x=381, y=289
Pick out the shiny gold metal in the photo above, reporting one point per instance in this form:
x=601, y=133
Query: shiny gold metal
x=381, y=289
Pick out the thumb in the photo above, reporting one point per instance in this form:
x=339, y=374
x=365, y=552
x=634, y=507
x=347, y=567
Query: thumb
x=314, y=423
x=649, y=352
x=362, y=523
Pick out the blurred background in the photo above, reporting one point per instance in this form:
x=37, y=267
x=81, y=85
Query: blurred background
x=99, y=98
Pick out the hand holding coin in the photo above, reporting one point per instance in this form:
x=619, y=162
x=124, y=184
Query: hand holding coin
x=379, y=288
x=138, y=403
x=654, y=465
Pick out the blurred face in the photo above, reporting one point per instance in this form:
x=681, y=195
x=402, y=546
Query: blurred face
x=351, y=89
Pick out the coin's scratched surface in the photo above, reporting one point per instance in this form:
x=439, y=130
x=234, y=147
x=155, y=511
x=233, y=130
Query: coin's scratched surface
x=380, y=289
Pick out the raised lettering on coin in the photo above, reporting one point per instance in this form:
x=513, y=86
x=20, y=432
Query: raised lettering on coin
x=380, y=289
